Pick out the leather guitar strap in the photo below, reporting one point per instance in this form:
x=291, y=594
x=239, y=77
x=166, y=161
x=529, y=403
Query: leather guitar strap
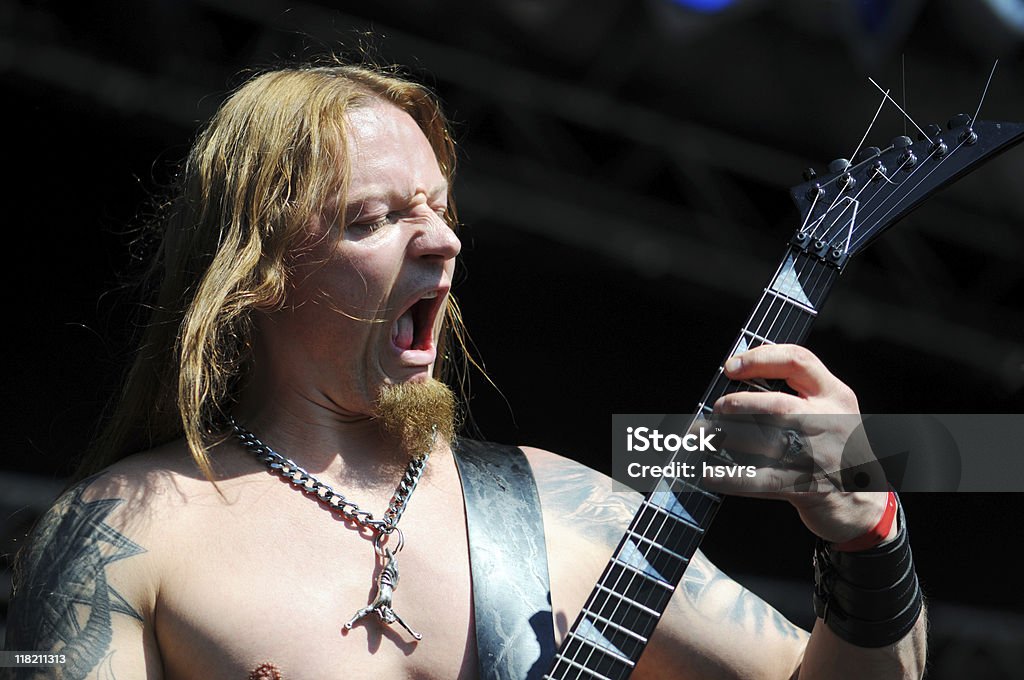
x=508, y=559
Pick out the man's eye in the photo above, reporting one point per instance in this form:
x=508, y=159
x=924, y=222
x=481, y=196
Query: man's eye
x=366, y=228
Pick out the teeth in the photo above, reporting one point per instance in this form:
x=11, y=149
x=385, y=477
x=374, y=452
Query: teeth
x=430, y=296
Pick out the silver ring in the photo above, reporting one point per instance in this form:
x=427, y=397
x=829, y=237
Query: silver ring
x=794, y=448
x=379, y=542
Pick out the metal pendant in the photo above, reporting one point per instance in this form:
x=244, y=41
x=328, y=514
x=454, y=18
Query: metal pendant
x=387, y=582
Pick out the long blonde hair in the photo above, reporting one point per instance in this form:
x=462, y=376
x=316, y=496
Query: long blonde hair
x=271, y=159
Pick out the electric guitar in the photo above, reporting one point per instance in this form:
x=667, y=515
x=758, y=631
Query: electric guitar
x=841, y=213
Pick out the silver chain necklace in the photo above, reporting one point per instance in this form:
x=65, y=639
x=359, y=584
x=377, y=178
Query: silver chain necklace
x=382, y=528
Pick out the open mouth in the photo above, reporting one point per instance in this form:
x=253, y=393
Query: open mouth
x=414, y=329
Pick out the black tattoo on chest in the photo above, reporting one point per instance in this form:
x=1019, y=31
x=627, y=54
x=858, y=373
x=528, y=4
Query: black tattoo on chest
x=62, y=601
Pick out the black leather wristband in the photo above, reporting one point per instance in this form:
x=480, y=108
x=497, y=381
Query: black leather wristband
x=870, y=598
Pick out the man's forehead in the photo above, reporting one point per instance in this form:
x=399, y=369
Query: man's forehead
x=391, y=192
x=390, y=157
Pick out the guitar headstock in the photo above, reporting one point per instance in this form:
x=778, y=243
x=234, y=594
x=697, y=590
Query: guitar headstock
x=842, y=211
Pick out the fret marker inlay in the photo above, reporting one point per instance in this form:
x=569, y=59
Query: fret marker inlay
x=788, y=283
x=589, y=632
x=632, y=556
x=665, y=499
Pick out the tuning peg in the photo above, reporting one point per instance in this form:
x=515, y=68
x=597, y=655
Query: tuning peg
x=838, y=165
x=931, y=130
x=809, y=174
x=959, y=120
x=866, y=153
x=880, y=171
x=907, y=158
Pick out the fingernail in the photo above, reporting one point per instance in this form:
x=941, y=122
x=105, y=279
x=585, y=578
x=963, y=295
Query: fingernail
x=732, y=364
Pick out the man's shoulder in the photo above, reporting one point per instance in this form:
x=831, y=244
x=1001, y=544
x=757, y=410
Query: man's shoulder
x=124, y=509
x=579, y=499
x=127, y=498
x=144, y=487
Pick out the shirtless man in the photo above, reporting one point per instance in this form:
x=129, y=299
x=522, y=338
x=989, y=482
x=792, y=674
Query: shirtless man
x=304, y=293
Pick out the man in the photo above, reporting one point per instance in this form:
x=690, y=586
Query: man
x=303, y=296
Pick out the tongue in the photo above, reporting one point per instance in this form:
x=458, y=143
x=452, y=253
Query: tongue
x=404, y=331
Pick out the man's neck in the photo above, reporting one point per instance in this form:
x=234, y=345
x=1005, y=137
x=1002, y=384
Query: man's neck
x=340, y=449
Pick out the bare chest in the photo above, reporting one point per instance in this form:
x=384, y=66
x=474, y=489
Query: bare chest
x=268, y=597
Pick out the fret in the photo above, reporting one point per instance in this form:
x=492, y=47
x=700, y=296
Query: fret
x=637, y=589
x=640, y=572
x=610, y=638
x=633, y=603
x=799, y=305
x=757, y=386
x=684, y=496
x=782, y=325
x=621, y=629
x=719, y=386
x=634, y=616
x=667, y=530
x=755, y=336
x=691, y=488
x=656, y=566
x=664, y=499
x=668, y=513
x=660, y=547
x=601, y=648
x=570, y=662
x=605, y=665
x=661, y=565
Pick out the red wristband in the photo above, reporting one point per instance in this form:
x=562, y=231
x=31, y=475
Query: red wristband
x=876, y=535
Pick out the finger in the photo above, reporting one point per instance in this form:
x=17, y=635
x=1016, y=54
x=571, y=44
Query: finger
x=751, y=437
x=770, y=482
x=776, y=404
x=798, y=366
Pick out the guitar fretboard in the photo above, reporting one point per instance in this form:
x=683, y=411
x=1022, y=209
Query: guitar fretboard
x=614, y=626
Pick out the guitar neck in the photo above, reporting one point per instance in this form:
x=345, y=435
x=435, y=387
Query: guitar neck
x=614, y=626
x=841, y=213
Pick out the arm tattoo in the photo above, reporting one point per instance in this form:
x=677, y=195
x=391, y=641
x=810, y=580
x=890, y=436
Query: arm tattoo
x=62, y=601
x=748, y=610
x=585, y=497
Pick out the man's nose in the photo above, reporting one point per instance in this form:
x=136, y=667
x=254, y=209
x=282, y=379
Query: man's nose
x=437, y=239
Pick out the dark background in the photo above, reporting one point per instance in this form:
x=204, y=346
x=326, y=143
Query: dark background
x=624, y=187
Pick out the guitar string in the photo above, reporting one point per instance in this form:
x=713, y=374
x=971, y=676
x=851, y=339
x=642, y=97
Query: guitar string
x=870, y=232
x=850, y=244
x=870, y=125
x=984, y=92
x=820, y=280
x=647, y=552
x=825, y=271
x=759, y=330
x=823, y=276
x=896, y=104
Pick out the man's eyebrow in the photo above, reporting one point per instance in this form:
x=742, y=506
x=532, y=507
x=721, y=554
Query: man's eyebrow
x=355, y=201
